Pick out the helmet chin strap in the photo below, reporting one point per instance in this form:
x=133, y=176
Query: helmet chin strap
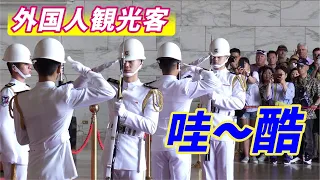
x=24, y=76
x=217, y=66
x=179, y=69
x=133, y=73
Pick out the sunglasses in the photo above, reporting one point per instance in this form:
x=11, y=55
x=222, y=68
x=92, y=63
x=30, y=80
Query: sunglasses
x=300, y=65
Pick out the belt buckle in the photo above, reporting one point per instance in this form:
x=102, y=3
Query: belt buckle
x=133, y=132
x=121, y=129
x=215, y=110
x=125, y=130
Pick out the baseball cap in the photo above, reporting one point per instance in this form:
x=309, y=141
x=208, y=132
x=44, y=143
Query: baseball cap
x=303, y=62
x=282, y=47
x=261, y=52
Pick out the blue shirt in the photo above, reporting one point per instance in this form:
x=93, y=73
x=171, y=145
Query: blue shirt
x=277, y=93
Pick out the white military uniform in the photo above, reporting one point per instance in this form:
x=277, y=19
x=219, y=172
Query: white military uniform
x=178, y=96
x=231, y=97
x=11, y=151
x=47, y=112
x=130, y=160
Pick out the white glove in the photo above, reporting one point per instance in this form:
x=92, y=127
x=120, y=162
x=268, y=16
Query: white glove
x=121, y=109
x=193, y=68
x=103, y=66
x=214, y=95
x=77, y=66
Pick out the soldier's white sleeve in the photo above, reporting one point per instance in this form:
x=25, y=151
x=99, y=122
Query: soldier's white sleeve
x=80, y=82
x=208, y=83
x=235, y=102
x=205, y=102
x=147, y=123
x=98, y=91
x=22, y=135
x=6, y=95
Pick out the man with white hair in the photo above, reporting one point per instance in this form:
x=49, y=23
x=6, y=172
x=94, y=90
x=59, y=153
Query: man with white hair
x=218, y=164
x=302, y=51
x=261, y=59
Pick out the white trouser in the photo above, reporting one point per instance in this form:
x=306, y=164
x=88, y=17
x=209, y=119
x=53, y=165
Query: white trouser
x=21, y=171
x=168, y=165
x=221, y=164
x=128, y=175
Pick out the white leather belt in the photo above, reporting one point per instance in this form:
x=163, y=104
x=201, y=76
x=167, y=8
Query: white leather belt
x=51, y=144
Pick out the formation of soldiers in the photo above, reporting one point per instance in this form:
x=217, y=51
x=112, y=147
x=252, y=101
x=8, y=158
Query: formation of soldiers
x=34, y=122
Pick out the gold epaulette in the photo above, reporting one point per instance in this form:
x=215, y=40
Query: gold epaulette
x=114, y=81
x=157, y=100
x=15, y=98
x=242, y=81
x=9, y=85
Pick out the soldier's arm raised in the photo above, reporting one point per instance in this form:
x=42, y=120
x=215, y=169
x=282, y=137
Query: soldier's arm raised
x=234, y=102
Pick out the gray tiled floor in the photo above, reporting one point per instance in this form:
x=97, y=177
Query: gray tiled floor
x=241, y=171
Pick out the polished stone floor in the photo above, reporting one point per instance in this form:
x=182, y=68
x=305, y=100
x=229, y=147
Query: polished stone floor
x=241, y=171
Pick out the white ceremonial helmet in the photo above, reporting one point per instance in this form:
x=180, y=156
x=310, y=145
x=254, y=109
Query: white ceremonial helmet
x=132, y=49
x=220, y=47
x=50, y=48
x=17, y=53
x=170, y=50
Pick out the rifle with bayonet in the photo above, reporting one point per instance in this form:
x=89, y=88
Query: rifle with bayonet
x=115, y=124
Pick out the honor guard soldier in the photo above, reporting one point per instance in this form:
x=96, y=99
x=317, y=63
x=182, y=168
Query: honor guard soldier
x=14, y=156
x=43, y=115
x=218, y=164
x=138, y=112
x=178, y=95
